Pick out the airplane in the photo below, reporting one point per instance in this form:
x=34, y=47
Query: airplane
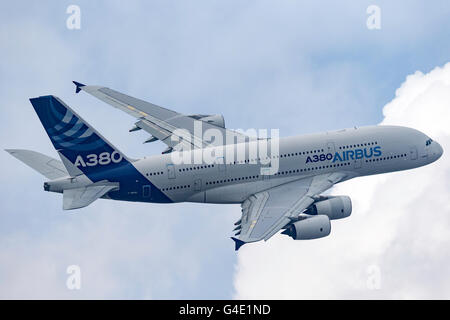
x=282, y=193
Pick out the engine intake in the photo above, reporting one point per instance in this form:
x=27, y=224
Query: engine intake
x=334, y=207
x=309, y=228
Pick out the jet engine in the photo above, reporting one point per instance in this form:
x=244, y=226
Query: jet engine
x=215, y=119
x=334, y=207
x=309, y=228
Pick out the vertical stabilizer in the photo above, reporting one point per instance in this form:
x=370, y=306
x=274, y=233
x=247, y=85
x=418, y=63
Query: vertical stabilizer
x=81, y=148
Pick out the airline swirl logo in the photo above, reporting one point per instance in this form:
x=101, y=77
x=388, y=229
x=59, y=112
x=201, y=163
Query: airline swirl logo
x=69, y=132
x=72, y=137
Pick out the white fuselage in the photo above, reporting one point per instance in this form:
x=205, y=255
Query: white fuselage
x=356, y=152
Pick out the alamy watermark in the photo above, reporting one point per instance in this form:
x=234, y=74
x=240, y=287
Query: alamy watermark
x=373, y=21
x=73, y=21
x=373, y=281
x=227, y=147
x=73, y=281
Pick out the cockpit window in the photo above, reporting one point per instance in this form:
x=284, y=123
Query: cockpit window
x=428, y=142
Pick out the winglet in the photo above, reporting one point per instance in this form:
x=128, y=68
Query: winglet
x=238, y=243
x=79, y=86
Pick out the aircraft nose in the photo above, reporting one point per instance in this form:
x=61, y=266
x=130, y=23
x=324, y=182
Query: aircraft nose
x=438, y=150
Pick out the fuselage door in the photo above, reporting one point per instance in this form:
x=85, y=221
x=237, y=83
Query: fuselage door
x=146, y=191
x=413, y=153
x=171, y=171
x=330, y=147
x=221, y=163
x=265, y=172
x=197, y=184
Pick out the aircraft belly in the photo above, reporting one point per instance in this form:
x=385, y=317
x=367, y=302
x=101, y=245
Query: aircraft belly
x=227, y=194
x=196, y=197
x=239, y=192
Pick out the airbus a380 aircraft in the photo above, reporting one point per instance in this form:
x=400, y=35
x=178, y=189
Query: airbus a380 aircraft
x=286, y=197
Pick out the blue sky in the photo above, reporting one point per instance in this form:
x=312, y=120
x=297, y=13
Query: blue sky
x=297, y=66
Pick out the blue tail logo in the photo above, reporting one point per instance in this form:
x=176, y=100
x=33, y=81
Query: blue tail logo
x=84, y=151
x=76, y=140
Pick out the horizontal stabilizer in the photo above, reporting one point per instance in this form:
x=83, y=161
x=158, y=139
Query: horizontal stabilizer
x=82, y=197
x=47, y=166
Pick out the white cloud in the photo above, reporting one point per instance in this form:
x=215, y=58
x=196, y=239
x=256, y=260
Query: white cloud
x=399, y=224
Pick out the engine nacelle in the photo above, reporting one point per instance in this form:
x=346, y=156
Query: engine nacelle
x=334, y=207
x=309, y=228
x=215, y=119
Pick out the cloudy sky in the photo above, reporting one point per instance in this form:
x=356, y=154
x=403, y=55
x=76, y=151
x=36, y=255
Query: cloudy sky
x=296, y=66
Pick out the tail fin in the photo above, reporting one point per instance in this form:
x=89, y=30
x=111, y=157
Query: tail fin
x=48, y=167
x=81, y=148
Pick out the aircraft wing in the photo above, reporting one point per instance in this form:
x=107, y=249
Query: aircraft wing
x=267, y=212
x=160, y=122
